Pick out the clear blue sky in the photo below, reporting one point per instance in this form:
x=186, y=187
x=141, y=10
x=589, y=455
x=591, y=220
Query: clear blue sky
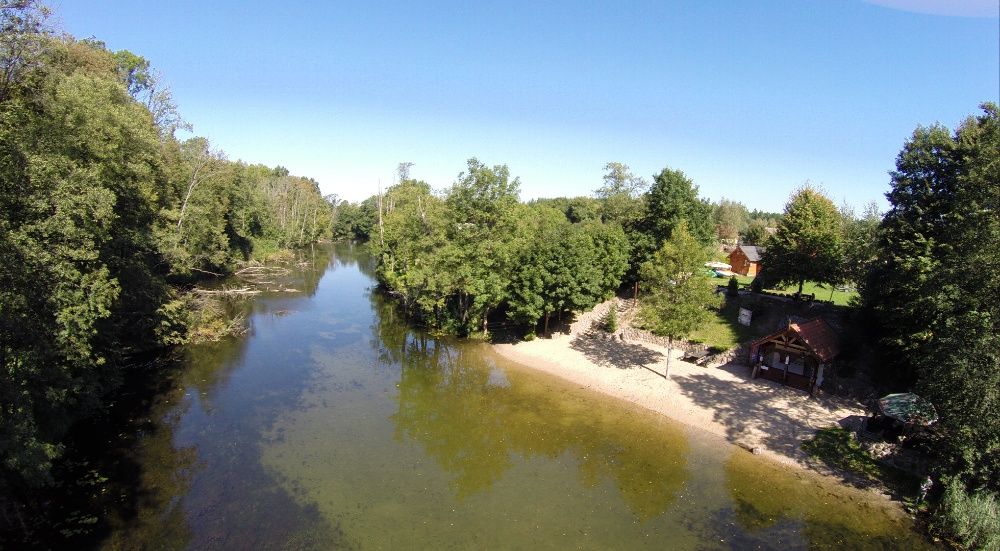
x=750, y=99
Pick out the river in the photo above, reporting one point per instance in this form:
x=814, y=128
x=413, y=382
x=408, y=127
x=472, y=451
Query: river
x=335, y=425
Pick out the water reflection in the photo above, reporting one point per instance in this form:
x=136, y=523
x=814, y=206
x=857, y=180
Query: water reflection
x=778, y=507
x=476, y=421
x=336, y=424
x=201, y=483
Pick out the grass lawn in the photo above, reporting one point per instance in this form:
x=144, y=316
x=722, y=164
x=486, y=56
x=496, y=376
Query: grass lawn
x=820, y=290
x=724, y=331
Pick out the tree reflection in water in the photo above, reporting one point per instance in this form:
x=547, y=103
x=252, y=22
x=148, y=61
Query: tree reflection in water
x=475, y=419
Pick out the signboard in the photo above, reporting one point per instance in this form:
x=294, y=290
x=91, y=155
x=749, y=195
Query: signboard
x=745, y=316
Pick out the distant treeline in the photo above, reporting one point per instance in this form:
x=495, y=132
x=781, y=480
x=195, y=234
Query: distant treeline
x=103, y=209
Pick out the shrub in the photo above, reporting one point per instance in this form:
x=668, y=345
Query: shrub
x=734, y=287
x=611, y=321
x=973, y=520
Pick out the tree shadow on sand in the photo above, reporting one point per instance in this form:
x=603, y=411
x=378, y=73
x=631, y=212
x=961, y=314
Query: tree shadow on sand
x=610, y=352
x=760, y=412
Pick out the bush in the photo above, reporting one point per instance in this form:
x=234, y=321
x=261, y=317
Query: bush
x=973, y=520
x=611, y=320
x=734, y=287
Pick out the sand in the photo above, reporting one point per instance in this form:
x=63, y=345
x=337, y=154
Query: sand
x=752, y=413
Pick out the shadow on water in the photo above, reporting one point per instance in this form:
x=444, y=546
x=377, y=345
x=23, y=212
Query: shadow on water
x=174, y=464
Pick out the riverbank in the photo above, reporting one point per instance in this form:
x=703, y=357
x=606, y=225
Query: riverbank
x=754, y=414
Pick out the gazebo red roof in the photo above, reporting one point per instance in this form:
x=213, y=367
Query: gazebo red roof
x=816, y=333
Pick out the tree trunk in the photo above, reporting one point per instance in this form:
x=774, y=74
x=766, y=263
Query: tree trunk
x=635, y=291
x=670, y=349
x=546, y=323
x=801, y=281
x=190, y=190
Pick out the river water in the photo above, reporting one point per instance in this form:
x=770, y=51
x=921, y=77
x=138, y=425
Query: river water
x=335, y=425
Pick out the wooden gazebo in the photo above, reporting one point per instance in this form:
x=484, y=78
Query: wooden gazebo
x=797, y=355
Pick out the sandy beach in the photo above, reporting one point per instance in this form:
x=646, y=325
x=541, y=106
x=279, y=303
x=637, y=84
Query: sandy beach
x=752, y=413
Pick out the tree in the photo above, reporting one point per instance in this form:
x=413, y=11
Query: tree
x=935, y=285
x=23, y=34
x=484, y=229
x=860, y=242
x=619, y=194
x=678, y=297
x=756, y=233
x=807, y=244
x=674, y=198
x=731, y=220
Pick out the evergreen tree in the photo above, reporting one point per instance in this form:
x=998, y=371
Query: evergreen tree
x=934, y=289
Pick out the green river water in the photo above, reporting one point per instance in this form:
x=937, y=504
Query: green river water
x=335, y=425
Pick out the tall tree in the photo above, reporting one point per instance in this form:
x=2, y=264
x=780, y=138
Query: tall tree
x=860, y=242
x=674, y=198
x=731, y=219
x=934, y=289
x=678, y=298
x=485, y=229
x=619, y=194
x=807, y=244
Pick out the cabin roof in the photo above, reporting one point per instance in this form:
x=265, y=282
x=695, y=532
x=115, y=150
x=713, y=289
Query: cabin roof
x=817, y=335
x=751, y=252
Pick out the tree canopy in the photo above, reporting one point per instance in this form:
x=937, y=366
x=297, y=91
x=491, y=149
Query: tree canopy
x=103, y=208
x=678, y=297
x=808, y=242
x=935, y=285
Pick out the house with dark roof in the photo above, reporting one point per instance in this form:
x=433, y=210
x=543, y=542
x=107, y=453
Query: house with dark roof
x=797, y=355
x=745, y=260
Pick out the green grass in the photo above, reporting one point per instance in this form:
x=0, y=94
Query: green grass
x=723, y=330
x=820, y=290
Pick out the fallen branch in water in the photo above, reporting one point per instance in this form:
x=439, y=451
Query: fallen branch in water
x=229, y=292
x=262, y=270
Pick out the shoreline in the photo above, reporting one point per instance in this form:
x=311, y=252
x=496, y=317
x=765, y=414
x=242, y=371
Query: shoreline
x=752, y=414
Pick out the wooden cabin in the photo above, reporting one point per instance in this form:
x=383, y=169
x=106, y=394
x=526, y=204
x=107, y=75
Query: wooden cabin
x=745, y=260
x=797, y=355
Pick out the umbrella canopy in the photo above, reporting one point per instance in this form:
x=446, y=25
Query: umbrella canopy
x=907, y=408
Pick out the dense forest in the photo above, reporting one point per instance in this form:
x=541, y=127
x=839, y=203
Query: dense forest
x=106, y=215
x=475, y=254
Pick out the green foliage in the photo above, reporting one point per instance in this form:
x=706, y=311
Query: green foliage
x=678, y=298
x=673, y=198
x=452, y=262
x=611, y=320
x=973, y=520
x=619, y=195
x=733, y=288
x=934, y=289
x=101, y=204
x=756, y=233
x=731, y=220
x=860, y=242
x=807, y=245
